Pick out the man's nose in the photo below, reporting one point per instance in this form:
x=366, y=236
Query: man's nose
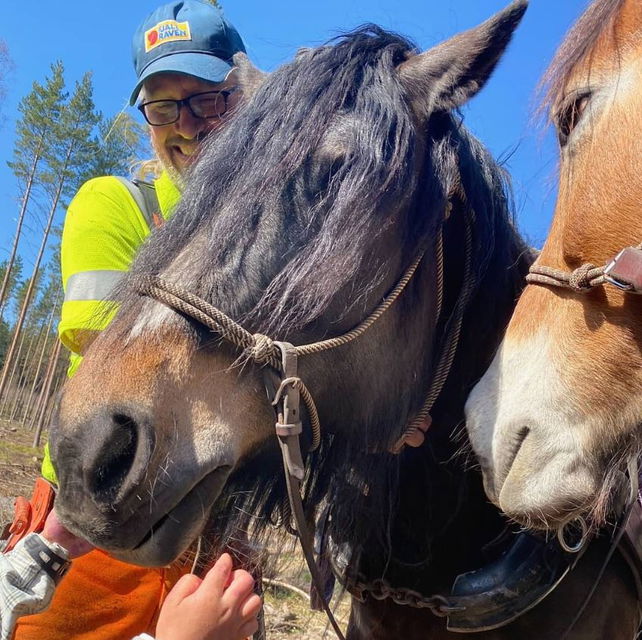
x=187, y=125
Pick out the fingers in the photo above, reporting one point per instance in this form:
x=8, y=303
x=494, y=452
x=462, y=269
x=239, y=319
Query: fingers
x=249, y=628
x=251, y=606
x=185, y=587
x=219, y=576
x=240, y=588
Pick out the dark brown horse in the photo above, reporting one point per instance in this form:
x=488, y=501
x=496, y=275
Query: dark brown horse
x=342, y=168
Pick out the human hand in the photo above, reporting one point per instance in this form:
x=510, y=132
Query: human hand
x=221, y=606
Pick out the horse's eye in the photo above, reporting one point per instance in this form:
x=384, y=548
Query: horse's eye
x=324, y=174
x=569, y=115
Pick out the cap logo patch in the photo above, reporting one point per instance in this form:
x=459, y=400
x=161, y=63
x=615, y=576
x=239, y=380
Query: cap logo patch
x=166, y=31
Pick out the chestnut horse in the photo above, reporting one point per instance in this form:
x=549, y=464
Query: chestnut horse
x=343, y=168
x=559, y=411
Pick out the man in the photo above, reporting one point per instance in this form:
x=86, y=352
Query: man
x=185, y=84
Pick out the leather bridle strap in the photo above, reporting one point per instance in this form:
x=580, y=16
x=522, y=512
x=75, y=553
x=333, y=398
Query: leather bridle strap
x=288, y=430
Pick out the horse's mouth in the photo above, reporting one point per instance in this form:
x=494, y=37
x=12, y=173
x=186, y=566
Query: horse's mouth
x=507, y=461
x=175, y=530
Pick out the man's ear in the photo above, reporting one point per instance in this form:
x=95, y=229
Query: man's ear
x=250, y=78
x=448, y=75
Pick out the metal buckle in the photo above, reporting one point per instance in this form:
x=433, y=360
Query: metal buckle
x=625, y=270
x=288, y=425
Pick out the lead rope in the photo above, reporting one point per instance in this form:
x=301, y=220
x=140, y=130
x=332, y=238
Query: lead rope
x=288, y=429
x=447, y=356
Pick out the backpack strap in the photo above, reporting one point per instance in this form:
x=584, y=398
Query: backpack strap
x=144, y=195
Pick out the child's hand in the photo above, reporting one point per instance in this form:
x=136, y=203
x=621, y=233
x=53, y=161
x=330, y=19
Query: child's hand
x=222, y=606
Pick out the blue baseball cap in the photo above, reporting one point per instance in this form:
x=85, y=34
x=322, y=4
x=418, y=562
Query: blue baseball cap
x=189, y=37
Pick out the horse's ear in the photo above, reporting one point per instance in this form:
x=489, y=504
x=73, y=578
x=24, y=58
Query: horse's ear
x=250, y=77
x=451, y=73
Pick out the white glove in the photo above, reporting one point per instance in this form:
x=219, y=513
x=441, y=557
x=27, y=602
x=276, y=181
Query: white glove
x=28, y=578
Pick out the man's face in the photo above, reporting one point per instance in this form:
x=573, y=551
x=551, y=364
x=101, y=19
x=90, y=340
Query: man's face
x=176, y=144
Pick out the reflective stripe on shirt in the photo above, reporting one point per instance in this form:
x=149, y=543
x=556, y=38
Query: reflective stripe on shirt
x=92, y=285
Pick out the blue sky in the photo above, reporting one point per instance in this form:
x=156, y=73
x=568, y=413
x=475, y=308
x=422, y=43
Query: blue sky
x=96, y=36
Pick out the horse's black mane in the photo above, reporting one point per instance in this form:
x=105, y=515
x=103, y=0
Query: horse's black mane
x=269, y=144
x=266, y=160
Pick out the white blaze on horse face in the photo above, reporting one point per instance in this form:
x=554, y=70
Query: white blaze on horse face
x=525, y=435
x=153, y=317
x=156, y=316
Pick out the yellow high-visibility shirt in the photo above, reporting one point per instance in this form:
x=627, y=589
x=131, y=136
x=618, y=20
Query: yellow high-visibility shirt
x=104, y=228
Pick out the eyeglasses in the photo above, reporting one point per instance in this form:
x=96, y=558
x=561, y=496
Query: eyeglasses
x=207, y=105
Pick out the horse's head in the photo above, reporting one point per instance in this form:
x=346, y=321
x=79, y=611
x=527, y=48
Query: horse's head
x=298, y=219
x=561, y=405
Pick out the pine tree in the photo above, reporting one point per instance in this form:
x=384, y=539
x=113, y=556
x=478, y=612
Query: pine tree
x=41, y=110
x=119, y=143
x=13, y=279
x=67, y=159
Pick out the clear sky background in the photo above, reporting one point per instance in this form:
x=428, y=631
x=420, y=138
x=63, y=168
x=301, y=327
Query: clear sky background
x=95, y=35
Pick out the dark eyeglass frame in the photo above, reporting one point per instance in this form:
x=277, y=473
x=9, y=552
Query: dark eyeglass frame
x=186, y=102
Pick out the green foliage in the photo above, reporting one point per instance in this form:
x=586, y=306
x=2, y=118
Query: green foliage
x=71, y=149
x=5, y=338
x=23, y=288
x=40, y=111
x=46, y=298
x=119, y=143
x=14, y=277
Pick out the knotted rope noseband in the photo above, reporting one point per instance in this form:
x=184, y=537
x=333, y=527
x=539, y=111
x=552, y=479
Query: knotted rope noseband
x=624, y=272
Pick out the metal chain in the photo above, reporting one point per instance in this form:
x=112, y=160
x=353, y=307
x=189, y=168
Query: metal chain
x=379, y=589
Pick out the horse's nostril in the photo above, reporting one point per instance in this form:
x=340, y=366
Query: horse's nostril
x=115, y=458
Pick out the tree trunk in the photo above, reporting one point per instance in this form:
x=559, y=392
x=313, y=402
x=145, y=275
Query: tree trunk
x=21, y=216
x=22, y=365
x=27, y=300
x=7, y=401
x=41, y=359
x=51, y=374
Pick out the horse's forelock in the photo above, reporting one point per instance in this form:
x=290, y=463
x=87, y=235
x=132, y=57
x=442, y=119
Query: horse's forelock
x=578, y=43
x=252, y=165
